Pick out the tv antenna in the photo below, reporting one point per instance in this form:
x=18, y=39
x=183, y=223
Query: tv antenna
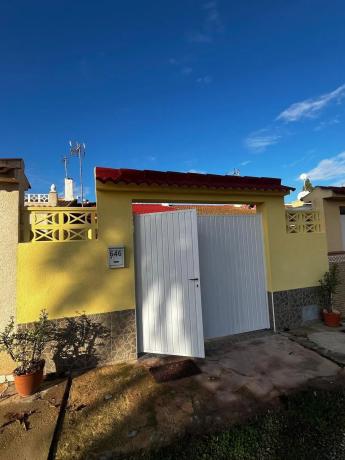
x=64, y=160
x=77, y=149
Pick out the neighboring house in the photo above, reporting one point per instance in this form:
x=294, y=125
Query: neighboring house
x=13, y=184
x=330, y=202
x=52, y=198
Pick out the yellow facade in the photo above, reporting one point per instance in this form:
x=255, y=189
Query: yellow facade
x=329, y=203
x=68, y=277
x=333, y=226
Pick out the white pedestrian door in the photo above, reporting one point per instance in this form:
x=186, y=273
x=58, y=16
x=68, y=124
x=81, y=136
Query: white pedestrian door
x=168, y=284
x=232, y=268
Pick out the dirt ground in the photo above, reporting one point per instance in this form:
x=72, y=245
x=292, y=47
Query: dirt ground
x=121, y=409
x=29, y=439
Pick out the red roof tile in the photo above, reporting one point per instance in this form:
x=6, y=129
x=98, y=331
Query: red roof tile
x=142, y=208
x=178, y=179
x=339, y=190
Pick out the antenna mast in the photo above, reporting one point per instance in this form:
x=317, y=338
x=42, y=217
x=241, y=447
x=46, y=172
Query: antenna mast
x=65, y=163
x=78, y=149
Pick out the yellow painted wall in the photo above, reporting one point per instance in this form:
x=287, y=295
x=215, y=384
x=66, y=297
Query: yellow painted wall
x=69, y=277
x=66, y=278
x=294, y=260
x=333, y=228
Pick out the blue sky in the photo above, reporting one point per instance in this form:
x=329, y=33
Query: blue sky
x=189, y=86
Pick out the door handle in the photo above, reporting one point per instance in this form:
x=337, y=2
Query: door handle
x=193, y=279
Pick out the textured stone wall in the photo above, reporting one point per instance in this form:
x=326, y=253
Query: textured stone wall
x=289, y=306
x=339, y=298
x=115, y=342
x=9, y=227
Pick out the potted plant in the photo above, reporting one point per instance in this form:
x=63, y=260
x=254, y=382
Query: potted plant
x=327, y=289
x=25, y=345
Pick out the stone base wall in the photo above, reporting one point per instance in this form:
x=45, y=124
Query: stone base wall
x=290, y=309
x=108, y=338
x=339, y=298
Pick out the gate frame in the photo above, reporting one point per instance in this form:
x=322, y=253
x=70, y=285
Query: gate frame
x=293, y=262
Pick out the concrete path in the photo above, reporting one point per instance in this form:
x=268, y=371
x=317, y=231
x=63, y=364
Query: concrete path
x=261, y=368
x=329, y=342
x=30, y=440
x=333, y=341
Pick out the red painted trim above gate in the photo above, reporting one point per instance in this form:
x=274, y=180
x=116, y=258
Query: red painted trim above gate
x=178, y=179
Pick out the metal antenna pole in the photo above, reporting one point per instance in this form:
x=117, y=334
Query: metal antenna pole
x=81, y=179
x=77, y=149
x=65, y=161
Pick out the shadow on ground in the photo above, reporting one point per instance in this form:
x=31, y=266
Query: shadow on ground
x=117, y=410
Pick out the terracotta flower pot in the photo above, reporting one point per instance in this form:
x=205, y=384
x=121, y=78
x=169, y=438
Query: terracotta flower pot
x=28, y=384
x=331, y=318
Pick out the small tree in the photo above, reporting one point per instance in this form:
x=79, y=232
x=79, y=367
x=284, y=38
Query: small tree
x=328, y=285
x=26, y=345
x=308, y=186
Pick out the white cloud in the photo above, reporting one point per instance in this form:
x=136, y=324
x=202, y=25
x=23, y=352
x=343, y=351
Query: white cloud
x=323, y=124
x=181, y=66
x=200, y=37
x=204, y=80
x=196, y=171
x=213, y=19
x=310, y=108
x=212, y=27
x=186, y=70
x=245, y=163
x=258, y=141
x=328, y=168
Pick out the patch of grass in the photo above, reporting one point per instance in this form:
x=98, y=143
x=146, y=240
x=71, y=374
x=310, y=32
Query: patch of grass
x=309, y=425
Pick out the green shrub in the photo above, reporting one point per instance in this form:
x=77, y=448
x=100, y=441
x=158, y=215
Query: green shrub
x=328, y=285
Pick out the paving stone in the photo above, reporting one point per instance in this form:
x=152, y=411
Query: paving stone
x=333, y=341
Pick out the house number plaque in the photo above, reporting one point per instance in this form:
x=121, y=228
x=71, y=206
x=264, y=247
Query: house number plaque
x=116, y=257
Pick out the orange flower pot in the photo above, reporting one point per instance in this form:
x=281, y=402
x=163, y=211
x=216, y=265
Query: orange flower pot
x=28, y=384
x=331, y=318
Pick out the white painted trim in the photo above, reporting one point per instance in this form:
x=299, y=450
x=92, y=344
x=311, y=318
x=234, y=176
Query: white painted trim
x=273, y=312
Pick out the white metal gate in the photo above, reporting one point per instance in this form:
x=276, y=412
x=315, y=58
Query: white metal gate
x=167, y=284
x=233, y=276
